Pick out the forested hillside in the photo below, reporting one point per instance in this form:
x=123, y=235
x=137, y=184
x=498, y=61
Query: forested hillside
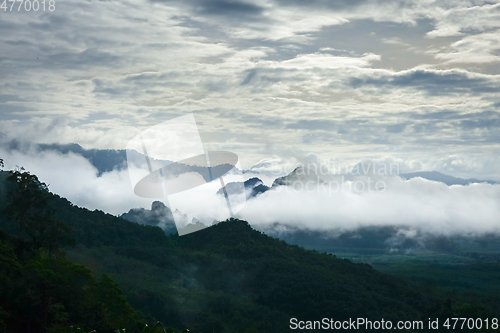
x=227, y=278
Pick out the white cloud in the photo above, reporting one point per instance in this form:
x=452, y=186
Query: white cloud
x=73, y=177
x=72, y=83
x=481, y=48
x=326, y=61
x=457, y=20
x=418, y=203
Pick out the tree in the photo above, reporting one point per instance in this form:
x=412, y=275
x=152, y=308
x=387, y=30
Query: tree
x=115, y=310
x=28, y=206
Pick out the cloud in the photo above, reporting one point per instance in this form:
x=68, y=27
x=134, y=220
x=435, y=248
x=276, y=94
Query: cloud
x=337, y=5
x=417, y=203
x=89, y=57
x=486, y=123
x=73, y=177
x=480, y=48
x=396, y=128
x=250, y=76
x=433, y=82
x=461, y=19
x=336, y=78
x=327, y=61
x=345, y=203
x=235, y=10
x=62, y=130
x=312, y=124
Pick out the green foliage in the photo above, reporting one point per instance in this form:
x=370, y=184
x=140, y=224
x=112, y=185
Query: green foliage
x=157, y=328
x=48, y=294
x=114, y=307
x=79, y=330
x=28, y=207
x=227, y=278
x=40, y=290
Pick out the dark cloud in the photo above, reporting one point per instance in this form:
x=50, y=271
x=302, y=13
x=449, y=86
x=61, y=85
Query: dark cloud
x=151, y=80
x=9, y=114
x=102, y=88
x=8, y=98
x=133, y=85
x=258, y=120
x=262, y=77
x=223, y=7
x=438, y=115
x=481, y=123
x=250, y=76
x=352, y=125
x=465, y=120
x=432, y=82
x=440, y=128
x=7, y=109
x=396, y=128
x=337, y=4
x=229, y=9
x=426, y=127
x=360, y=36
x=317, y=124
x=52, y=22
x=19, y=43
x=150, y=60
x=100, y=116
x=315, y=137
x=434, y=122
x=89, y=57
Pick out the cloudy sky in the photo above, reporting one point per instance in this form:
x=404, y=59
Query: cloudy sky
x=345, y=79
x=275, y=81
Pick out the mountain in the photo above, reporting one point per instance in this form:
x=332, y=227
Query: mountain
x=382, y=239
x=468, y=264
x=104, y=160
x=232, y=278
x=259, y=189
x=107, y=160
x=298, y=175
x=40, y=289
x=375, y=169
x=252, y=187
x=448, y=180
x=159, y=216
x=270, y=166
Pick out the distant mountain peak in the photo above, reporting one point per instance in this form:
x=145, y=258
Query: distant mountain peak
x=441, y=177
x=158, y=205
x=299, y=174
x=252, y=187
x=159, y=215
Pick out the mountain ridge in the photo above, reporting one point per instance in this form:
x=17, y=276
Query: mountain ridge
x=443, y=178
x=230, y=275
x=107, y=160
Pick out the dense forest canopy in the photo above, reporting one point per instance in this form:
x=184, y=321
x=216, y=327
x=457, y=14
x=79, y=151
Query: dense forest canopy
x=67, y=266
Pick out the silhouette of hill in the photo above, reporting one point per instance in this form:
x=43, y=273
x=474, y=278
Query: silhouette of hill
x=232, y=278
x=448, y=180
x=159, y=216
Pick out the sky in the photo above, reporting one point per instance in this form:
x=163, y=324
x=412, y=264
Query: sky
x=344, y=80
x=274, y=81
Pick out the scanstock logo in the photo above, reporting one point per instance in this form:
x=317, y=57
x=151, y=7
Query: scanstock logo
x=167, y=162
